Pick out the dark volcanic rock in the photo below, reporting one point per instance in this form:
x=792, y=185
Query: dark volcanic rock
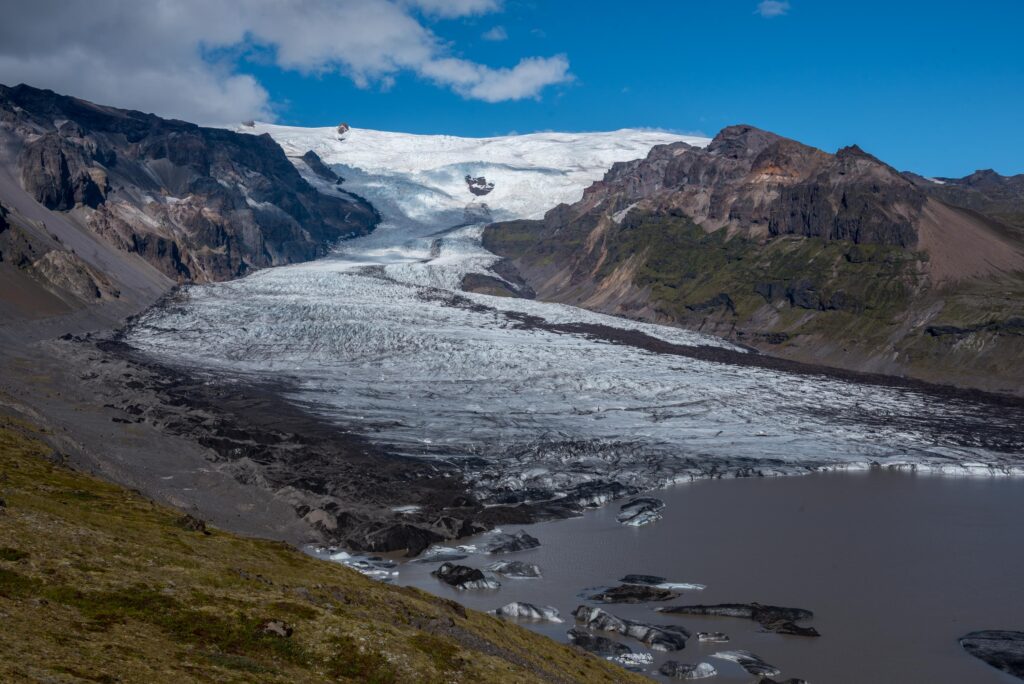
x=198, y=203
x=719, y=301
x=634, y=593
x=772, y=618
x=464, y=577
x=598, y=645
x=479, y=185
x=650, y=580
x=1001, y=649
x=510, y=543
x=412, y=538
x=317, y=166
x=192, y=524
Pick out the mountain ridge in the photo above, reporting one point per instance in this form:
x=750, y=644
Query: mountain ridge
x=145, y=202
x=832, y=259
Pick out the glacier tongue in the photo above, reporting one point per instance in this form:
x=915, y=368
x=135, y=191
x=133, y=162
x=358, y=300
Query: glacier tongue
x=377, y=337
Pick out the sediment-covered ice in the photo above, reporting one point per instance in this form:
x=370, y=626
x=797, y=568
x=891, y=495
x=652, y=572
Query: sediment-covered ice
x=377, y=337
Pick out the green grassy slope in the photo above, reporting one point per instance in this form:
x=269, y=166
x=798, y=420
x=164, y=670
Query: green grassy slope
x=98, y=584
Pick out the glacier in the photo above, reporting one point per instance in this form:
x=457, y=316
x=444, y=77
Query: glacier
x=379, y=338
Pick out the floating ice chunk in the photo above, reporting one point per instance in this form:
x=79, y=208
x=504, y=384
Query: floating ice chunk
x=515, y=569
x=713, y=637
x=633, y=661
x=463, y=577
x=528, y=611
x=510, y=543
x=661, y=583
x=749, y=662
x=642, y=511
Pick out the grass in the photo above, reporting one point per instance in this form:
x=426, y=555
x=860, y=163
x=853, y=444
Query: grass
x=98, y=584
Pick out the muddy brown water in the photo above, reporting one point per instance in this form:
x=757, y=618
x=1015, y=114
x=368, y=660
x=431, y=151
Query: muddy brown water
x=895, y=566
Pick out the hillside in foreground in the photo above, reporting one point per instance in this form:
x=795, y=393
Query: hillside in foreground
x=98, y=584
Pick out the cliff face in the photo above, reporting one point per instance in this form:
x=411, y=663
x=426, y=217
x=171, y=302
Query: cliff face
x=833, y=259
x=199, y=204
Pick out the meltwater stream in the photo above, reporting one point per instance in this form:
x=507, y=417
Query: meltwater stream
x=378, y=338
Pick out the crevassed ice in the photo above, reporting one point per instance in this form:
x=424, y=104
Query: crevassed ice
x=374, y=336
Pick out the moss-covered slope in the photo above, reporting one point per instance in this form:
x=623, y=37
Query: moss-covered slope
x=866, y=307
x=98, y=584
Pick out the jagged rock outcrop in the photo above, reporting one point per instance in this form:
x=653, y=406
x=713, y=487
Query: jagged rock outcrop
x=759, y=183
x=200, y=204
x=986, y=192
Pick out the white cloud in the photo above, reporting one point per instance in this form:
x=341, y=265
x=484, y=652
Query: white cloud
x=773, y=8
x=498, y=33
x=154, y=55
x=478, y=82
x=455, y=8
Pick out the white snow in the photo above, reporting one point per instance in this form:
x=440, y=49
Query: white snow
x=424, y=175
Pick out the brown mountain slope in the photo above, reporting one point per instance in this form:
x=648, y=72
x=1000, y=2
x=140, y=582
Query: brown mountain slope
x=146, y=202
x=833, y=259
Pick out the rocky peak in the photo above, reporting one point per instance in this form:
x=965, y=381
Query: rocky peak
x=198, y=203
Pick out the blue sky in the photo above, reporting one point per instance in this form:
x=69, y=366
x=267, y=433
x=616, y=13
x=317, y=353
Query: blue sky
x=931, y=86
x=936, y=87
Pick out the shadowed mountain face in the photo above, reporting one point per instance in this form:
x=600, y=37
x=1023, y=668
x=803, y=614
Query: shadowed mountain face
x=198, y=204
x=827, y=258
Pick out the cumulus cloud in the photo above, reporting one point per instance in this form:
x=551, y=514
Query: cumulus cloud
x=455, y=8
x=498, y=33
x=773, y=8
x=175, y=57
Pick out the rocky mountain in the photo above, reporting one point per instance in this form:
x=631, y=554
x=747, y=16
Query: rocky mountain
x=826, y=258
x=189, y=204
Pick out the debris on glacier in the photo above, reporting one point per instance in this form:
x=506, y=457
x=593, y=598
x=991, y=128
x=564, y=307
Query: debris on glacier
x=634, y=593
x=528, y=611
x=642, y=511
x=777, y=619
x=515, y=569
x=748, y=661
x=661, y=583
x=596, y=644
x=713, y=637
x=633, y=661
x=510, y=543
x=675, y=670
x=463, y=577
x=657, y=637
